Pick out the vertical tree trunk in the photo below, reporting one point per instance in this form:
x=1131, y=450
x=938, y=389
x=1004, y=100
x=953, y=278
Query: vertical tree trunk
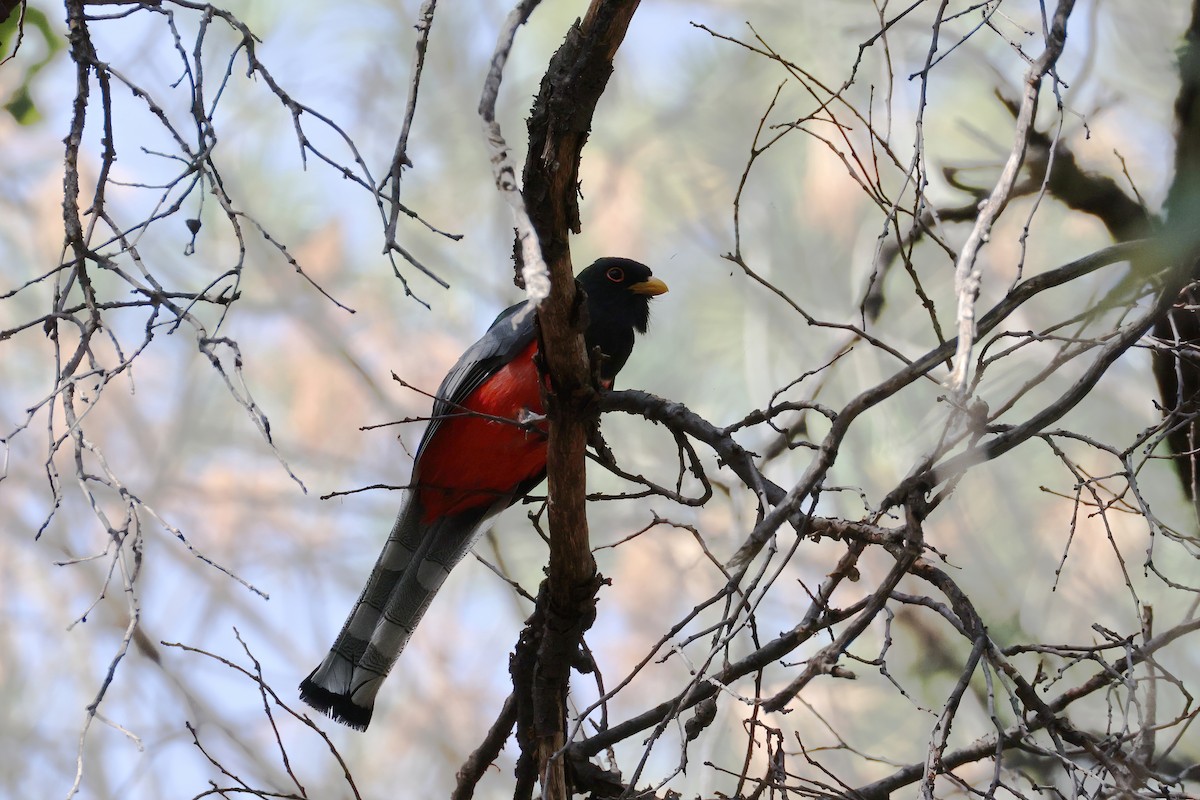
x=558, y=129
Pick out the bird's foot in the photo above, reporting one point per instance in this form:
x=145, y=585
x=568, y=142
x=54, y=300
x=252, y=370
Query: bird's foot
x=527, y=416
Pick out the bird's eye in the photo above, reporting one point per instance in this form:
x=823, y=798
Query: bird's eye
x=615, y=274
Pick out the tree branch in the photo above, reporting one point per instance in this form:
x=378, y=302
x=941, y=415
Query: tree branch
x=559, y=125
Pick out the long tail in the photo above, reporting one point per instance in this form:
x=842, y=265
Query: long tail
x=414, y=562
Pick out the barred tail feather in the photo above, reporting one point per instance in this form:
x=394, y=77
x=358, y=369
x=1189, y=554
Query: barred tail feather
x=411, y=568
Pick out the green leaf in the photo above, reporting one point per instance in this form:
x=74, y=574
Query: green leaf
x=21, y=105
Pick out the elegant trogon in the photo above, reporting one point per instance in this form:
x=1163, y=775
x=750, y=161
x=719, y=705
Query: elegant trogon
x=484, y=449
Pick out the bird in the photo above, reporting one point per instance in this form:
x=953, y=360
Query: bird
x=483, y=450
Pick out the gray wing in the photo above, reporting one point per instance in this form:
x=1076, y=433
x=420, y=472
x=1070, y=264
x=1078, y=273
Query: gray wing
x=509, y=334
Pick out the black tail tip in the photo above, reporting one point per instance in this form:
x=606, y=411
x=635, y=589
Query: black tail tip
x=338, y=706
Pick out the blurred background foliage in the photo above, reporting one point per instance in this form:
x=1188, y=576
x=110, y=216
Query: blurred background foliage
x=660, y=174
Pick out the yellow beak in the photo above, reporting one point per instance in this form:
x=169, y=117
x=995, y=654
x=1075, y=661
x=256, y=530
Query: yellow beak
x=651, y=287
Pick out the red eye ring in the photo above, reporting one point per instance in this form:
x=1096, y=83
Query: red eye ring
x=615, y=274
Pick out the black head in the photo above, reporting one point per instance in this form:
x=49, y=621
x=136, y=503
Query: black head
x=618, y=298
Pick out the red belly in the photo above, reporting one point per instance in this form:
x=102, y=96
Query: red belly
x=471, y=460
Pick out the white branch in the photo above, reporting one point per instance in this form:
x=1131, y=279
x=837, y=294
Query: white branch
x=533, y=267
x=967, y=274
